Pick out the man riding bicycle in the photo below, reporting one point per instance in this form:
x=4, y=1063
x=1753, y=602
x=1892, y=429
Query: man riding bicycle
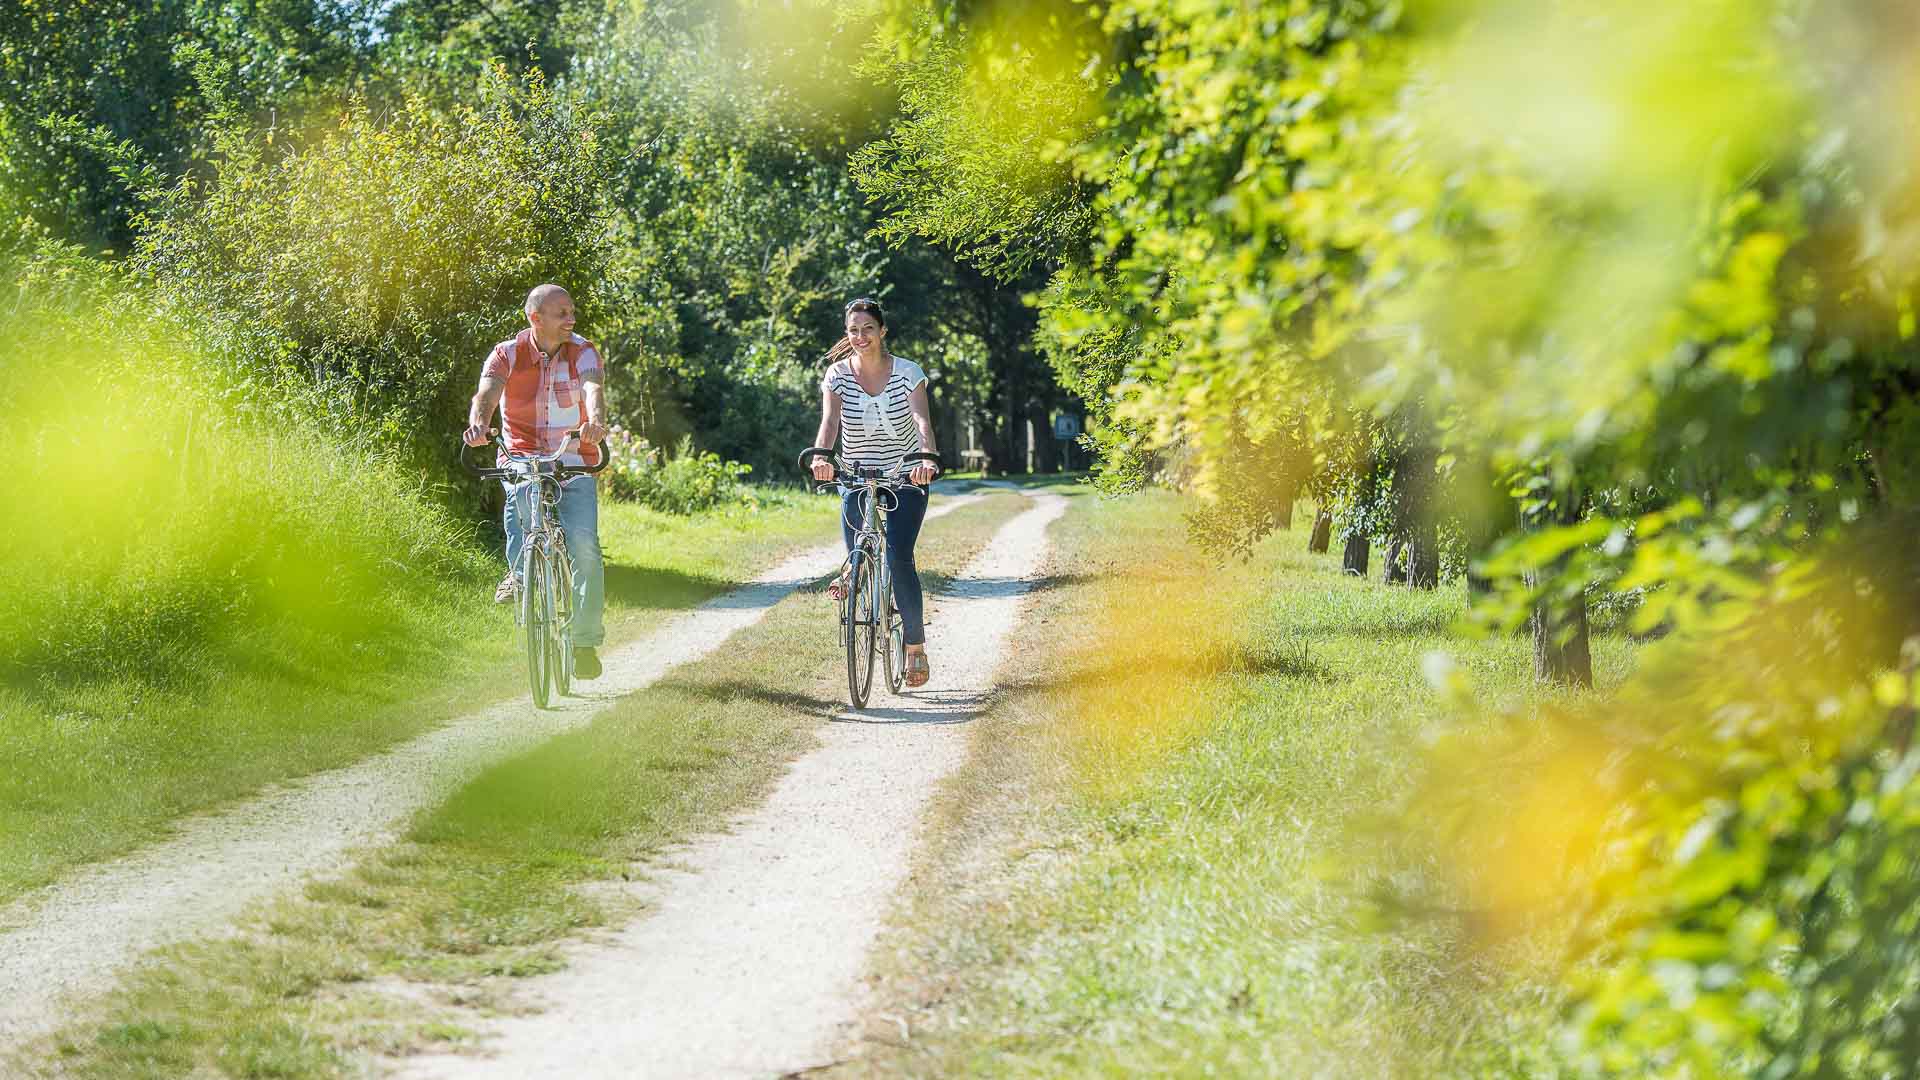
x=546, y=382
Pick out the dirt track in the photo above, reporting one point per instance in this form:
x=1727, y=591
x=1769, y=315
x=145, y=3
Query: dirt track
x=749, y=962
x=72, y=938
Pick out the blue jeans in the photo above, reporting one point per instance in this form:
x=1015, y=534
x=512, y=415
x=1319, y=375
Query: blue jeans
x=580, y=517
x=903, y=528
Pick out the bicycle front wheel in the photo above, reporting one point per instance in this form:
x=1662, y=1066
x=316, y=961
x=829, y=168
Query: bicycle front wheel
x=560, y=641
x=860, y=629
x=537, y=611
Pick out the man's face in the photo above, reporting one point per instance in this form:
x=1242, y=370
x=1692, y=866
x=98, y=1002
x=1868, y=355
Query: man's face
x=554, y=318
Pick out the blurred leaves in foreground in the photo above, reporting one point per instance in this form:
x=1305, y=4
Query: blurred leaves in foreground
x=1613, y=304
x=156, y=529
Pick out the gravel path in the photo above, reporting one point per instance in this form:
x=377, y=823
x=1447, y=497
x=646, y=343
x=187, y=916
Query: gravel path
x=71, y=938
x=750, y=961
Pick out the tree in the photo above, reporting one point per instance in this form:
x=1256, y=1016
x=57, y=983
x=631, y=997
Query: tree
x=361, y=277
x=79, y=77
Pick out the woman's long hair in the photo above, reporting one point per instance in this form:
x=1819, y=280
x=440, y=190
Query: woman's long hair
x=844, y=347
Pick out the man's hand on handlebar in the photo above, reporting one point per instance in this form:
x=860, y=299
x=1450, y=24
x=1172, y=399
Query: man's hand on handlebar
x=592, y=432
x=477, y=435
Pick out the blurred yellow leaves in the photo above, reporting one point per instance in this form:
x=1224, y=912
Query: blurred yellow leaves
x=1625, y=98
x=1516, y=857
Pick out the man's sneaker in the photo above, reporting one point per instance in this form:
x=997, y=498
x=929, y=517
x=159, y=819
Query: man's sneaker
x=506, y=590
x=586, y=664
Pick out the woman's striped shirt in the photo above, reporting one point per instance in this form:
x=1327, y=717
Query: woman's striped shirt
x=876, y=431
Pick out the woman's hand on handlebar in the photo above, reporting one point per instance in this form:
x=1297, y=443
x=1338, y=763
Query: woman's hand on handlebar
x=822, y=469
x=923, y=473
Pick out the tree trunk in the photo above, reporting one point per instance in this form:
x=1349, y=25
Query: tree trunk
x=1283, y=513
x=1560, y=653
x=1354, y=559
x=1015, y=426
x=1394, y=572
x=1046, y=447
x=1423, y=555
x=945, y=425
x=1322, y=537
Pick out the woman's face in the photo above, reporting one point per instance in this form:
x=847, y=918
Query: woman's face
x=864, y=331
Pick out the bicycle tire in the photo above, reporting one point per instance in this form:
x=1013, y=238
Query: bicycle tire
x=562, y=636
x=538, y=600
x=860, y=630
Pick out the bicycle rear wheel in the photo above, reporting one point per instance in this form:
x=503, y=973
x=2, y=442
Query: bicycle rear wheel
x=537, y=609
x=860, y=629
x=894, y=636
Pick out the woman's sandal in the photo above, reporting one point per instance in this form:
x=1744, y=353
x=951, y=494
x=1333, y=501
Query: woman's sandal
x=837, y=588
x=918, y=670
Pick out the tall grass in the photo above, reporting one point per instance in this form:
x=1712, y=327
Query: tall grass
x=186, y=583
x=156, y=527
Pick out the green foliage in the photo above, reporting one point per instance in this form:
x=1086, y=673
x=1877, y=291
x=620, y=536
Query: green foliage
x=165, y=527
x=1728, y=870
x=126, y=68
x=738, y=234
x=686, y=482
x=443, y=48
x=361, y=274
x=1657, y=311
x=977, y=160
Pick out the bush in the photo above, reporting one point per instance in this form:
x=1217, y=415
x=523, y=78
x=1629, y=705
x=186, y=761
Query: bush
x=687, y=482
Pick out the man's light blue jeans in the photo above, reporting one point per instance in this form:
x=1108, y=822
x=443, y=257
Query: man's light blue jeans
x=580, y=517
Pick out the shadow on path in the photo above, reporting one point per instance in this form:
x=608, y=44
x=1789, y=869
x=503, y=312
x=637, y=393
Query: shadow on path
x=652, y=588
x=938, y=707
x=737, y=690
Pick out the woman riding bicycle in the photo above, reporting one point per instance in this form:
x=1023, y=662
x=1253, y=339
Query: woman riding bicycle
x=877, y=404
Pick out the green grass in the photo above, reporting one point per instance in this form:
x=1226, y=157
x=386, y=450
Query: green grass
x=484, y=887
x=1164, y=855
x=104, y=758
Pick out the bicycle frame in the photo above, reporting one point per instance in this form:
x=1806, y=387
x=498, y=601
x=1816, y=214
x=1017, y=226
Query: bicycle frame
x=870, y=534
x=543, y=517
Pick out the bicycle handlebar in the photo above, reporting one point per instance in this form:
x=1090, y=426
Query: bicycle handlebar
x=843, y=477
x=567, y=445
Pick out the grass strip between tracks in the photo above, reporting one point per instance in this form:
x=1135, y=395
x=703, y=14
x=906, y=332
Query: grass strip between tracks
x=485, y=887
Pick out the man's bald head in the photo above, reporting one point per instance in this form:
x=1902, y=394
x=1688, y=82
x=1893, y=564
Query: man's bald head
x=542, y=295
x=550, y=313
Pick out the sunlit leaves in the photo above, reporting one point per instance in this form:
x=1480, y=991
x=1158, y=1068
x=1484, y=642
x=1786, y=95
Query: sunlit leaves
x=383, y=255
x=979, y=158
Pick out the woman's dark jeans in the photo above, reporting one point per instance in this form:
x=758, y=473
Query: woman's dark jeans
x=903, y=528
